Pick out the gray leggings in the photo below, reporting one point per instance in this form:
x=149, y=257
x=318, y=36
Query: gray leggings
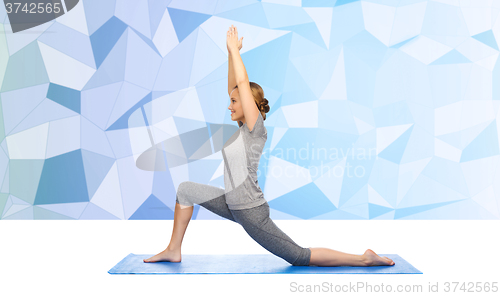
x=255, y=221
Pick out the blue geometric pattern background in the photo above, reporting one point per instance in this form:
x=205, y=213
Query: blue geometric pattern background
x=380, y=109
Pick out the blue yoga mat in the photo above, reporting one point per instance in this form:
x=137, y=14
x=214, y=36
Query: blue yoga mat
x=242, y=264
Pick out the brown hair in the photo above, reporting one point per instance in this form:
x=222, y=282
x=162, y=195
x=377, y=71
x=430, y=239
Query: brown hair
x=258, y=95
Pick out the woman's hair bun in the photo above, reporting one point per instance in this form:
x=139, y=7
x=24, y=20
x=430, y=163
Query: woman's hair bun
x=264, y=106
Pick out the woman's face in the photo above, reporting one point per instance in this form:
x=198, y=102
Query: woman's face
x=235, y=106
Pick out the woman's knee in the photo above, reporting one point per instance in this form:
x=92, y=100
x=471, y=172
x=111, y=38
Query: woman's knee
x=183, y=186
x=304, y=258
x=182, y=197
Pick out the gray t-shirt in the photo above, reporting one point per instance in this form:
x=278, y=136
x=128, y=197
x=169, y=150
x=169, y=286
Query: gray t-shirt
x=241, y=155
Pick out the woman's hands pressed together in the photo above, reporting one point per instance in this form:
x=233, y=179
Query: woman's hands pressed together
x=232, y=41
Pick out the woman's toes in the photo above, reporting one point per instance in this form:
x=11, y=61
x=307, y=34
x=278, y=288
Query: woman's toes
x=388, y=260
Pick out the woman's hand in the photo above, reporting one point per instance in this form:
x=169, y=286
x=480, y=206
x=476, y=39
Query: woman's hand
x=232, y=41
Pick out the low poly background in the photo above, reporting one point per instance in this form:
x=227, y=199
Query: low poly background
x=384, y=109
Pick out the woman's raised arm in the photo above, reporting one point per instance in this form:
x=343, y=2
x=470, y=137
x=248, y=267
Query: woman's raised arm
x=231, y=80
x=250, y=110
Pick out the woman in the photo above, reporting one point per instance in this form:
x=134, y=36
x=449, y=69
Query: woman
x=242, y=200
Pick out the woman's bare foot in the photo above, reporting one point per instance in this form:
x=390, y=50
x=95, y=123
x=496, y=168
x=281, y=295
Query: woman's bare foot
x=166, y=255
x=373, y=259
